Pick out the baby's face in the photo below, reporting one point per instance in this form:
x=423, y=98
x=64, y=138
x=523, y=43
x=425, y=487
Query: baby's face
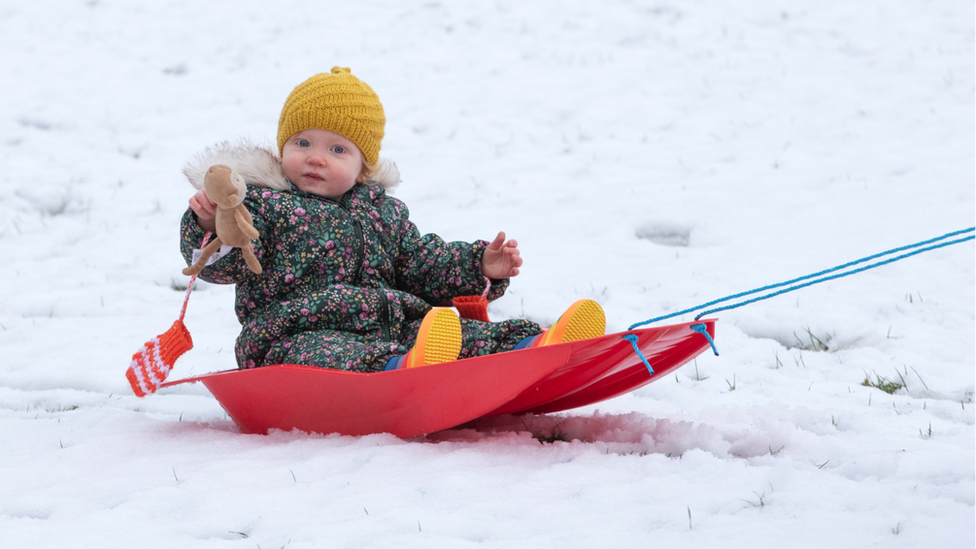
x=321, y=162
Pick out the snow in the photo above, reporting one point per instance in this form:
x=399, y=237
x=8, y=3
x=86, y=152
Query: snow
x=653, y=156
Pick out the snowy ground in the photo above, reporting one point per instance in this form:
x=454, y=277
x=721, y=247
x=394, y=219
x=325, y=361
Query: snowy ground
x=651, y=155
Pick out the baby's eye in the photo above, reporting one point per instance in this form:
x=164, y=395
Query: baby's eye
x=338, y=149
x=303, y=143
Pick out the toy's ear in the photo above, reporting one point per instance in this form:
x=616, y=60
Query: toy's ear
x=240, y=184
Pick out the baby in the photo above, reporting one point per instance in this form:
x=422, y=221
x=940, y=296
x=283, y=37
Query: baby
x=348, y=281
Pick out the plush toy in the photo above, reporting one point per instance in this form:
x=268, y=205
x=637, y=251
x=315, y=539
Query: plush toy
x=234, y=225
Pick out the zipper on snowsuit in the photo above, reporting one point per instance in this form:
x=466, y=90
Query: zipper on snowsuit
x=384, y=312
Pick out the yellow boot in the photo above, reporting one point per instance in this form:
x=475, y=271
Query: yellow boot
x=584, y=319
x=439, y=340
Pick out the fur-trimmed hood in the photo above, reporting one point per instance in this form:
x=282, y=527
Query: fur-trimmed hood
x=260, y=166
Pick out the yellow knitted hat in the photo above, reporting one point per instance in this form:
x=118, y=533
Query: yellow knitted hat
x=337, y=102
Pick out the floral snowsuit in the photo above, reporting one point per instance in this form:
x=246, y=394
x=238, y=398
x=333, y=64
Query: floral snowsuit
x=347, y=282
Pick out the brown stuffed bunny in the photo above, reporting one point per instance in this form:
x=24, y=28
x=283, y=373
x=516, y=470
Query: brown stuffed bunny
x=234, y=225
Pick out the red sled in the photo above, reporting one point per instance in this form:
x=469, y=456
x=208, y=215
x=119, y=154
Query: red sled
x=417, y=401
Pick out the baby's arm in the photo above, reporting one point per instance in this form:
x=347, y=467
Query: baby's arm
x=437, y=271
x=501, y=259
x=205, y=210
x=231, y=268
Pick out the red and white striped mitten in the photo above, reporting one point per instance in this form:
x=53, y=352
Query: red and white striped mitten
x=151, y=364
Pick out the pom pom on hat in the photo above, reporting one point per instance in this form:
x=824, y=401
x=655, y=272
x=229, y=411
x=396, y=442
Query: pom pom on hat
x=337, y=102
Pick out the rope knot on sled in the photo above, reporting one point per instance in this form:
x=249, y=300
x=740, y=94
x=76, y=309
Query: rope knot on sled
x=633, y=341
x=703, y=330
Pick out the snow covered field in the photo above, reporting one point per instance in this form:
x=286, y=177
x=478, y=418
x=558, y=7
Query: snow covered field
x=650, y=155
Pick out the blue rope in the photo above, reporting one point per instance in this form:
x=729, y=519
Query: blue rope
x=703, y=330
x=633, y=341
x=792, y=284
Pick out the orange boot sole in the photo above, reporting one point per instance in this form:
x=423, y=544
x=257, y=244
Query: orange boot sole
x=439, y=339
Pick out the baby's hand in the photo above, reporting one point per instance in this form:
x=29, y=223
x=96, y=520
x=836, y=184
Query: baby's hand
x=501, y=259
x=205, y=209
